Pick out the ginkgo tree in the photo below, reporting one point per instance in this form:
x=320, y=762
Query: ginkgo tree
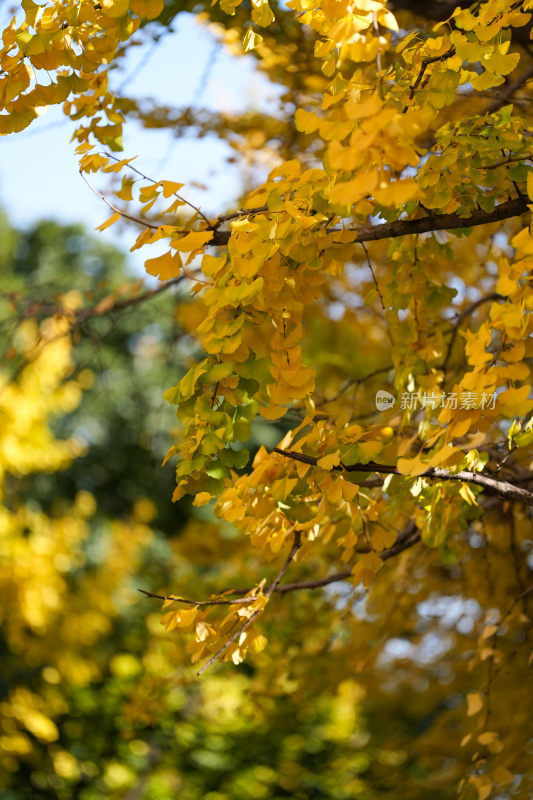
x=373, y=296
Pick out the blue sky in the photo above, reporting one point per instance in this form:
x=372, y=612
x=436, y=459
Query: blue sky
x=38, y=169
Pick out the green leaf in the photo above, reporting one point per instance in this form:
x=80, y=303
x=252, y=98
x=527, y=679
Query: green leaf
x=236, y=459
x=247, y=412
x=241, y=430
x=187, y=466
x=275, y=201
x=187, y=386
x=216, y=469
x=218, y=372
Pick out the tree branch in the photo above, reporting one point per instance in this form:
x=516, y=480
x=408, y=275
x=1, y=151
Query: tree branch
x=100, y=310
x=295, y=547
x=406, y=539
x=242, y=212
x=503, y=489
x=78, y=317
x=427, y=224
x=36, y=308
x=371, y=268
x=355, y=382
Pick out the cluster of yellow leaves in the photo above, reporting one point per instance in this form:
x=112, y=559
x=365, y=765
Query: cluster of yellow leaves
x=347, y=31
x=467, y=148
x=279, y=496
x=496, y=352
x=278, y=260
x=211, y=637
x=76, y=40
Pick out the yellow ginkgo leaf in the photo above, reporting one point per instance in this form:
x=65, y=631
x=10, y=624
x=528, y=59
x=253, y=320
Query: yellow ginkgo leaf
x=111, y=221
x=306, y=121
x=411, y=466
x=467, y=494
x=350, y=192
x=365, y=569
x=500, y=63
x=192, y=241
x=474, y=701
x=149, y=9
x=170, y=187
x=515, y=402
x=329, y=461
x=397, y=193
x=115, y=8
x=202, y=498
x=272, y=412
x=212, y=264
x=251, y=40
x=165, y=267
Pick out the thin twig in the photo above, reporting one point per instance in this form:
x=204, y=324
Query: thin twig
x=295, y=547
x=94, y=311
x=242, y=212
x=517, y=599
x=218, y=602
x=192, y=107
x=406, y=539
x=141, y=64
x=371, y=268
x=356, y=381
x=230, y=641
x=115, y=209
x=297, y=543
x=175, y=194
x=77, y=318
x=507, y=161
x=425, y=64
